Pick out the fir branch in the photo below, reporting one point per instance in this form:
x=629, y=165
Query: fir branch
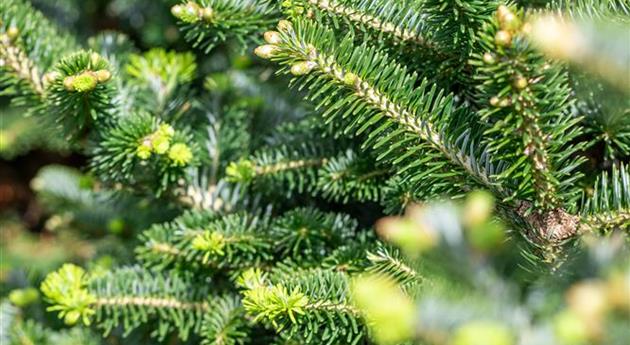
x=454, y=23
x=312, y=306
x=519, y=86
x=390, y=263
x=618, y=10
x=351, y=177
x=397, y=20
x=608, y=206
x=284, y=169
x=16, y=61
x=207, y=23
x=80, y=93
x=130, y=296
x=140, y=151
x=225, y=324
x=310, y=50
x=200, y=240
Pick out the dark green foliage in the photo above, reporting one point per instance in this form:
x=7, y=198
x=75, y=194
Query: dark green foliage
x=522, y=93
x=207, y=241
x=224, y=20
x=117, y=158
x=132, y=296
x=75, y=106
x=607, y=205
x=225, y=324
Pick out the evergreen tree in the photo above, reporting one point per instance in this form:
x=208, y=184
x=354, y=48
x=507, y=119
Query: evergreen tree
x=224, y=207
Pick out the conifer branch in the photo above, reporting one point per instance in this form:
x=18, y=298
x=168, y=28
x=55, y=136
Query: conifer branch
x=297, y=47
x=393, y=19
x=158, y=303
x=608, y=206
x=528, y=97
x=208, y=23
x=16, y=61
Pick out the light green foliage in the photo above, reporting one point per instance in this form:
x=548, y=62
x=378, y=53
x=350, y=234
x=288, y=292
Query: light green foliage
x=67, y=290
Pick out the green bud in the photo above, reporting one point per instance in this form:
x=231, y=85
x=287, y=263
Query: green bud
x=207, y=14
x=285, y=26
x=242, y=171
x=68, y=83
x=210, y=242
x=350, y=79
x=72, y=317
x=50, y=77
x=160, y=143
x=520, y=83
x=177, y=11
x=266, y=51
x=95, y=58
x=180, y=154
x=391, y=313
x=272, y=37
x=144, y=150
x=302, y=68
x=503, y=38
x=102, y=75
x=84, y=82
x=166, y=130
x=13, y=32
x=191, y=13
x=489, y=58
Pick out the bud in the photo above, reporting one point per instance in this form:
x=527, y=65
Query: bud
x=50, y=77
x=166, y=130
x=144, y=150
x=266, y=51
x=503, y=38
x=504, y=103
x=502, y=11
x=350, y=79
x=84, y=82
x=285, y=26
x=191, y=12
x=68, y=83
x=177, y=11
x=494, y=101
x=207, y=14
x=180, y=154
x=489, y=58
x=94, y=59
x=160, y=143
x=509, y=22
x=102, y=75
x=272, y=37
x=72, y=317
x=13, y=33
x=302, y=67
x=520, y=83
